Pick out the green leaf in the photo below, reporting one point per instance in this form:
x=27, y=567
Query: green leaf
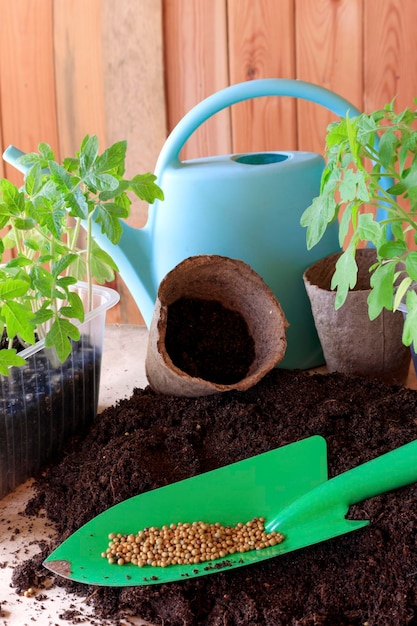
x=41, y=210
x=42, y=315
x=410, y=322
x=88, y=154
x=50, y=191
x=29, y=159
x=108, y=216
x=353, y=186
x=409, y=146
x=33, y=180
x=348, y=185
x=12, y=197
x=18, y=320
x=78, y=268
x=75, y=308
x=77, y=204
x=362, y=192
x=401, y=290
x=4, y=214
x=19, y=261
x=397, y=230
x=45, y=259
x=382, y=289
x=351, y=131
x=367, y=127
x=54, y=220
x=411, y=265
x=66, y=281
x=44, y=282
x=101, y=182
x=77, y=305
x=61, y=265
x=112, y=158
x=336, y=134
x=9, y=358
x=60, y=174
x=398, y=189
x=13, y=288
x=71, y=164
x=387, y=147
x=369, y=229
x=410, y=177
x=46, y=151
x=345, y=276
x=102, y=266
x=344, y=223
x=144, y=186
x=116, y=194
x=321, y=212
x=392, y=249
x=59, y=335
x=24, y=224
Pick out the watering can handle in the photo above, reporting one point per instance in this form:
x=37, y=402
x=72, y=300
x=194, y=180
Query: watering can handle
x=246, y=91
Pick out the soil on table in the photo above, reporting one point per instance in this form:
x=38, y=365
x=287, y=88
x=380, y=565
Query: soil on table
x=149, y=440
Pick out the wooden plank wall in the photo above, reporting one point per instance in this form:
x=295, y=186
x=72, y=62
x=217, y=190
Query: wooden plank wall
x=363, y=50
x=133, y=68
x=73, y=67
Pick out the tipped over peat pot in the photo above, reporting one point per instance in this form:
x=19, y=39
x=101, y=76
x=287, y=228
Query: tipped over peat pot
x=214, y=315
x=44, y=402
x=351, y=342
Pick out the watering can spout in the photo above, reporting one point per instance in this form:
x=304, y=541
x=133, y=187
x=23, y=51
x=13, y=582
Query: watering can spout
x=132, y=255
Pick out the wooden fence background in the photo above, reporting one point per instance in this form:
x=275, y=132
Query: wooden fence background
x=131, y=69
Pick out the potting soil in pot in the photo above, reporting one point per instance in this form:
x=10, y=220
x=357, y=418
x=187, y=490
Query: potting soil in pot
x=43, y=403
x=223, y=354
x=365, y=577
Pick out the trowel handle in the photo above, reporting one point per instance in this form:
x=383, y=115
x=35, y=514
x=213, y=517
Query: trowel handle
x=332, y=499
x=245, y=91
x=384, y=473
x=387, y=472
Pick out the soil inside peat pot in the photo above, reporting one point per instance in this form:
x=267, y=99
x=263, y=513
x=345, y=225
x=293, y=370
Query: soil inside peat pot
x=206, y=340
x=365, y=577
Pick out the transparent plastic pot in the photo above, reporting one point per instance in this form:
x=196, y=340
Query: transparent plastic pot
x=44, y=402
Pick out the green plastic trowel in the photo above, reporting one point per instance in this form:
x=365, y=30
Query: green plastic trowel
x=287, y=486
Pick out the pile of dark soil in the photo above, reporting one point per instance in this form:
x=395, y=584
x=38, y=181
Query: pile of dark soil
x=365, y=577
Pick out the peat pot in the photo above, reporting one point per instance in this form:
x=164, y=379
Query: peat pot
x=351, y=342
x=216, y=327
x=44, y=402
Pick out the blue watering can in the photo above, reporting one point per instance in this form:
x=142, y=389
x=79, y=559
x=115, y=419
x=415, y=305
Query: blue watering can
x=243, y=206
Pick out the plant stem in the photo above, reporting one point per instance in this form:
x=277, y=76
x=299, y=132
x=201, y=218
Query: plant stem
x=88, y=261
x=17, y=238
x=76, y=232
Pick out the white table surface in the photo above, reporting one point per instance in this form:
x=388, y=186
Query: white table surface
x=123, y=369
